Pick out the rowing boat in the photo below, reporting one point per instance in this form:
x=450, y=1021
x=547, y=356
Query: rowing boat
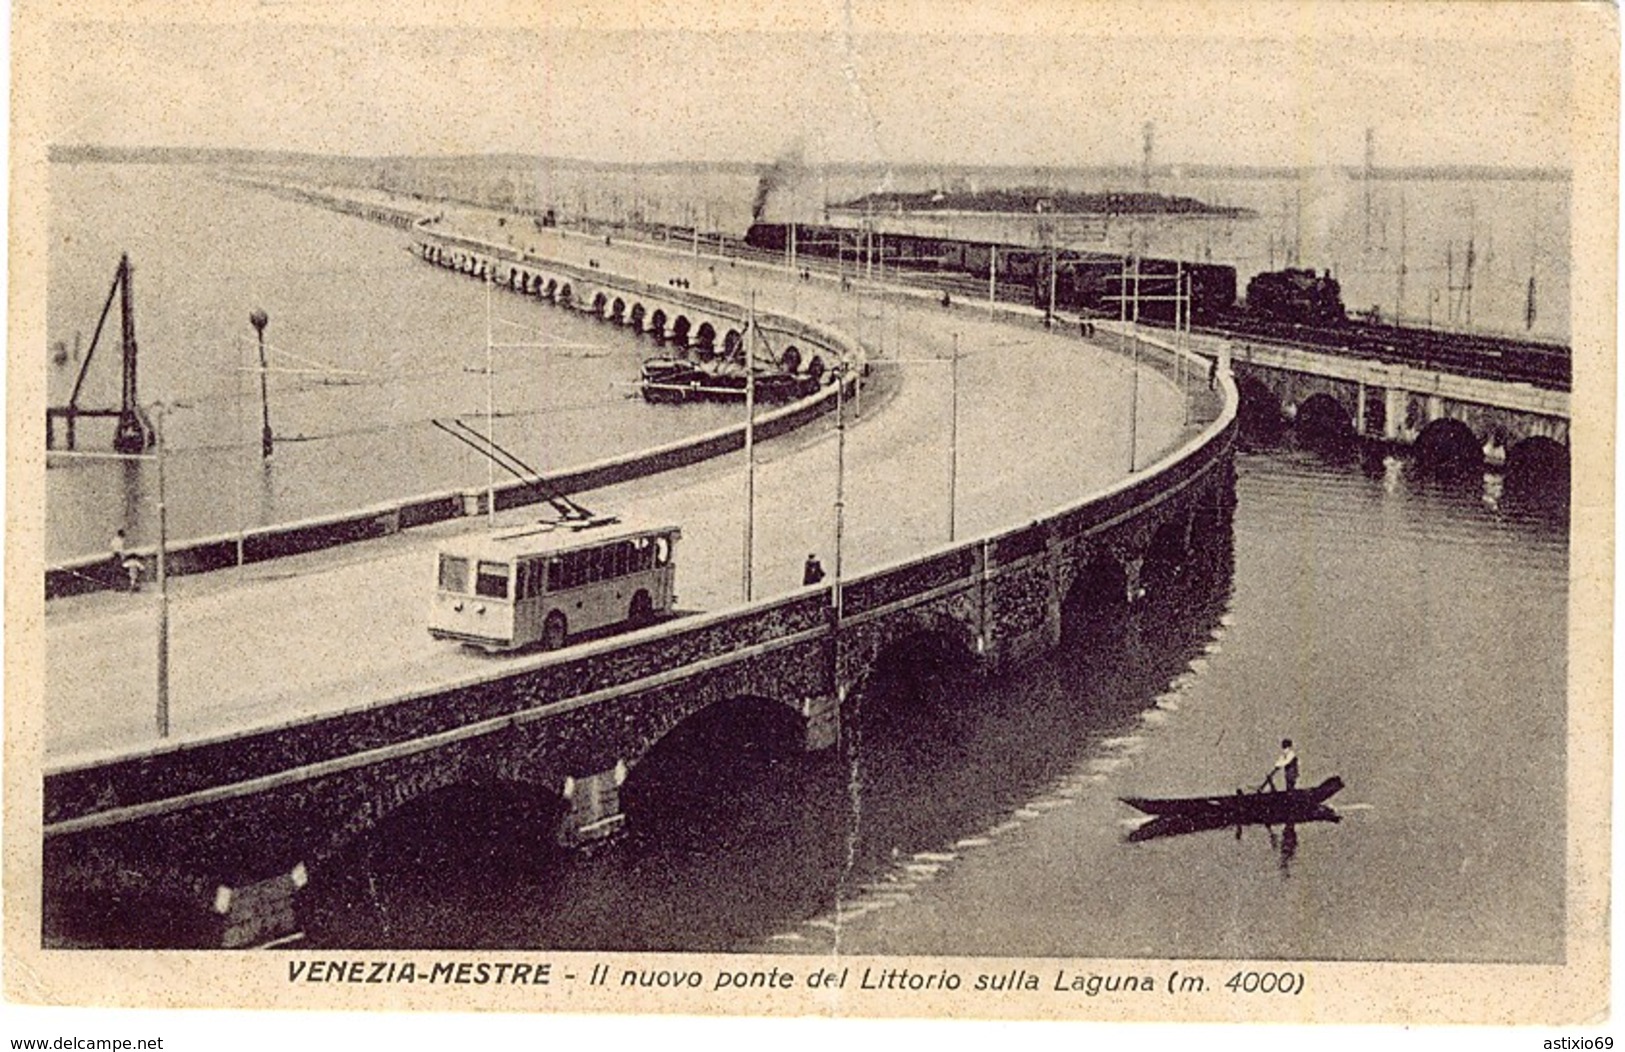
x=1241, y=807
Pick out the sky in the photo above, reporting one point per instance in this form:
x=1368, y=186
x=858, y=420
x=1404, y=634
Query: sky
x=1298, y=88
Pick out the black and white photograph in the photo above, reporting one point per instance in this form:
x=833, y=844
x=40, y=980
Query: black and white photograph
x=1054, y=510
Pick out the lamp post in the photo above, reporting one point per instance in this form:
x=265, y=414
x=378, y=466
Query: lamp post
x=163, y=582
x=245, y=466
x=259, y=319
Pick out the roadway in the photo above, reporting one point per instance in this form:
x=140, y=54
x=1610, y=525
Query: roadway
x=1044, y=418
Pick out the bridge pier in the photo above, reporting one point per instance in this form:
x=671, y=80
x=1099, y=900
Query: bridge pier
x=595, y=807
x=260, y=913
x=822, y=713
x=1133, y=588
x=1395, y=406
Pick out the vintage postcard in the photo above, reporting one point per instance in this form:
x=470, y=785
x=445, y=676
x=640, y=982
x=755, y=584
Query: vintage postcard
x=989, y=511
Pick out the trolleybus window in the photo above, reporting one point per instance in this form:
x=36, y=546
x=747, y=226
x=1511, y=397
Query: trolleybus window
x=530, y=579
x=453, y=574
x=491, y=580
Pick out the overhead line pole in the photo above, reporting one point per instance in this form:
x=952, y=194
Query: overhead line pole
x=953, y=448
x=490, y=411
x=840, y=484
x=1134, y=414
x=750, y=448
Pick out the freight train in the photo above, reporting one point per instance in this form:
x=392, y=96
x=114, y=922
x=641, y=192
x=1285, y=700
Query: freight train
x=1293, y=306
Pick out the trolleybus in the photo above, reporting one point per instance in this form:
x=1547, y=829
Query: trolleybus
x=509, y=589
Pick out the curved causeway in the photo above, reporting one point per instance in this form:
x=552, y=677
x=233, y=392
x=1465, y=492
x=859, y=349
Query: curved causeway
x=1015, y=469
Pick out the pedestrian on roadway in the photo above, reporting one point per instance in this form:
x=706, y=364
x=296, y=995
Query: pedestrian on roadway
x=813, y=572
x=126, y=564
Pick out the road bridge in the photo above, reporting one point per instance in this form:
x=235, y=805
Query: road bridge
x=309, y=704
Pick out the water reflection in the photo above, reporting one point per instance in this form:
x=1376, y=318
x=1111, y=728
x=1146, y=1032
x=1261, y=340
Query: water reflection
x=1532, y=486
x=1183, y=825
x=1288, y=846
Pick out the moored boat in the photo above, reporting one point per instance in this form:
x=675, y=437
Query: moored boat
x=677, y=380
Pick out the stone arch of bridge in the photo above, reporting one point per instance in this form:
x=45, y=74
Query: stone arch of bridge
x=1323, y=416
x=1448, y=445
x=657, y=324
x=693, y=754
x=1537, y=466
x=544, y=805
x=794, y=680
x=1168, y=551
x=460, y=835
x=936, y=645
x=1101, y=582
x=705, y=337
x=680, y=329
x=374, y=801
x=908, y=669
x=1260, y=408
x=948, y=626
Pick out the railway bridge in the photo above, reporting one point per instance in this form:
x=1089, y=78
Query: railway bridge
x=208, y=840
x=1445, y=417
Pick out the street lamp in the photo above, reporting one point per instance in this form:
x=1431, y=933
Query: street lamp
x=163, y=580
x=259, y=319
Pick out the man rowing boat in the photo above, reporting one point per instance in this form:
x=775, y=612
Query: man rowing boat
x=1287, y=764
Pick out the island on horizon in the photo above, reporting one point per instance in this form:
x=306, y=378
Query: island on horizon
x=1036, y=199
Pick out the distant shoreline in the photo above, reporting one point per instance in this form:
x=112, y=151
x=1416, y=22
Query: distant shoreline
x=93, y=154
